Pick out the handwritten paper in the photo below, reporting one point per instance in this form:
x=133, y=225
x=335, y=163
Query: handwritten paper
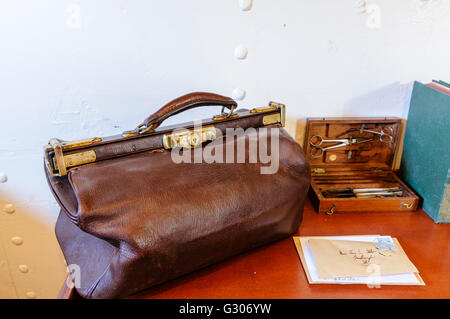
x=340, y=258
x=307, y=260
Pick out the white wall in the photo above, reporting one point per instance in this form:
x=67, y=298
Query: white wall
x=103, y=71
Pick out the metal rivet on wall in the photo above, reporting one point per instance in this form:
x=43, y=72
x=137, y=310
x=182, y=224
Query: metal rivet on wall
x=17, y=240
x=31, y=295
x=240, y=52
x=3, y=177
x=245, y=5
x=23, y=268
x=9, y=208
x=238, y=94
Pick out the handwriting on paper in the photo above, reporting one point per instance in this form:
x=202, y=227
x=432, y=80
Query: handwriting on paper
x=364, y=256
x=341, y=258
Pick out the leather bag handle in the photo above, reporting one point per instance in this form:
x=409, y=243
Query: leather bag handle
x=181, y=104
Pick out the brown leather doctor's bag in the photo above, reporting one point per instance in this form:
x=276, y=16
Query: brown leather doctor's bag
x=154, y=203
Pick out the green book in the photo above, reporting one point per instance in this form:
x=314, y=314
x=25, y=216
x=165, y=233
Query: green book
x=426, y=151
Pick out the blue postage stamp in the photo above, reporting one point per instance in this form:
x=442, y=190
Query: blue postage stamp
x=385, y=244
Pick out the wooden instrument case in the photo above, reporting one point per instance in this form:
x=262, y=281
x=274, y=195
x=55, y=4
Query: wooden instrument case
x=357, y=166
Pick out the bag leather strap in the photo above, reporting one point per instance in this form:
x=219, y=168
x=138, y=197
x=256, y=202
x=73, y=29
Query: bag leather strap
x=186, y=102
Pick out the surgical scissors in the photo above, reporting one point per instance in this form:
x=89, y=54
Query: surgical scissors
x=317, y=140
x=382, y=133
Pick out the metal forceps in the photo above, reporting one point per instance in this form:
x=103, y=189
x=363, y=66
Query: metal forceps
x=385, y=133
x=316, y=141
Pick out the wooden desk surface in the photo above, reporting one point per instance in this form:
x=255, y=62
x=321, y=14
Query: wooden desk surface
x=275, y=271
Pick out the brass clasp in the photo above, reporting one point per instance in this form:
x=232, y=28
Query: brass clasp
x=189, y=138
x=331, y=211
x=403, y=204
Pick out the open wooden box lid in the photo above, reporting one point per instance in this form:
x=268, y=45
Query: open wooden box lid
x=357, y=166
x=375, y=153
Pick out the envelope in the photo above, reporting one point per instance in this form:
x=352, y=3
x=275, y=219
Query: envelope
x=340, y=258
